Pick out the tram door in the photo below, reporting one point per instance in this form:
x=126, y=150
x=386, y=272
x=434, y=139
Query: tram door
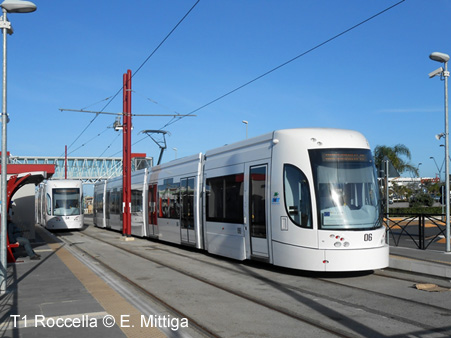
x=258, y=192
x=187, y=234
x=153, y=229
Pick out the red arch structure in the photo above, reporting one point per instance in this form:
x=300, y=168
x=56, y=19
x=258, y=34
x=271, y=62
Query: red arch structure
x=22, y=174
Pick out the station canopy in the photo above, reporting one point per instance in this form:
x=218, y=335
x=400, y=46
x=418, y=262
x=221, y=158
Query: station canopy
x=22, y=174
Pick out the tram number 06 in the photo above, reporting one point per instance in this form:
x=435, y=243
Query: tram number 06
x=368, y=237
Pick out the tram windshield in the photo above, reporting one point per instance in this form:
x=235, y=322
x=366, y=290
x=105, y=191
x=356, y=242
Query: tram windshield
x=346, y=189
x=66, y=201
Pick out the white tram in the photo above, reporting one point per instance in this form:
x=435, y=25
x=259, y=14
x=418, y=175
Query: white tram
x=108, y=203
x=300, y=198
x=59, y=204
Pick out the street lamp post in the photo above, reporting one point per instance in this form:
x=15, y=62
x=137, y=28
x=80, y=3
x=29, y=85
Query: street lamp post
x=246, y=123
x=175, y=155
x=8, y=6
x=439, y=174
x=444, y=73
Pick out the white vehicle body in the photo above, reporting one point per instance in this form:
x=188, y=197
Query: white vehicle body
x=108, y=203
x=299, y=198
x=100, y=204
x=59, y=204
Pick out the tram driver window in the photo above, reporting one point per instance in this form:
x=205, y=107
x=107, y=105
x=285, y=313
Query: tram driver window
x=297, y=196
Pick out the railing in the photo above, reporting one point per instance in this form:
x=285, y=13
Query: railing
x=420, y=230
x=87, y=169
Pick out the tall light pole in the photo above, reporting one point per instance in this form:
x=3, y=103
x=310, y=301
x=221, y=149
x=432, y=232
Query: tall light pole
x=175, y=150
x=439, y=174
x=246, y=123
x=8, y=6
x=444, y=73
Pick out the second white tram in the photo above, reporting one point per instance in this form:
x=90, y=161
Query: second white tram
x=59, y=204
x=299, y=198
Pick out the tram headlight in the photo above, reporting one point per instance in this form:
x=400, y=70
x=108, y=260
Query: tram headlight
x=337, y=244
x=346, y=244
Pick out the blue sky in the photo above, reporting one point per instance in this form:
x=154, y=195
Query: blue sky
x=373, y=79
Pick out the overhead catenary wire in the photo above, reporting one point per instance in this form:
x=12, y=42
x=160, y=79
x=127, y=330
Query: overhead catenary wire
x=178, y=118
x=91, y=139
x=175, y=119
x=139, y=68
x=87, y=125
x=155, y=102
x=93, y=104
x=109, y=146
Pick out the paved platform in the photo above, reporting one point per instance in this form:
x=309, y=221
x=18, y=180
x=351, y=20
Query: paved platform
x=59, y=296
x=427, y=262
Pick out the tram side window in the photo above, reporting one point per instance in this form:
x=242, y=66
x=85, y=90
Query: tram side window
x=297, y=196
x=107, y=204
x=98, y=203
x=163, y=212
x=49, y=204
x=169, y=197
x=119, y=202
x=187, y=203
x=115, y=202
x=137, y=201
x=225, y=199
x=111, y=201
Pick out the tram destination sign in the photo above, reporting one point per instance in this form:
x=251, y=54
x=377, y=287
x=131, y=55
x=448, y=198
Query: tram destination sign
x=344, y=157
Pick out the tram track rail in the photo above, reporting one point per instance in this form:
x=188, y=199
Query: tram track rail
x=414, y=277
x=199, y=327
x=417, y=280
x=175, y=312
x=286, y=312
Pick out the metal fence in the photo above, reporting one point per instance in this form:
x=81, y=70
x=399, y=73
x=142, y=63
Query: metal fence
x=422, y=231
x=87, y=169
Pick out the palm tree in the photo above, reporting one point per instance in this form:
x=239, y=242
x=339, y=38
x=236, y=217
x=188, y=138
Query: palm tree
x=394, y=154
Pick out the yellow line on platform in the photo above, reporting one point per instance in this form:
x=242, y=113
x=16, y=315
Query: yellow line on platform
x=109, y=299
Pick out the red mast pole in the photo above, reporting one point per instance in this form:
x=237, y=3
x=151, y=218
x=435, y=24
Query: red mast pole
x=129, y=150
x=124, y=156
